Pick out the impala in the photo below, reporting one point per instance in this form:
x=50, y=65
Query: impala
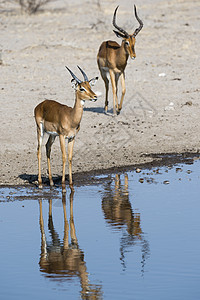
x=61, y=120
x=112, y=58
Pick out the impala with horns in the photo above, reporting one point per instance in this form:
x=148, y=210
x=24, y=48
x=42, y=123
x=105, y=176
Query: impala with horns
x=61, y=120
x=112, y=58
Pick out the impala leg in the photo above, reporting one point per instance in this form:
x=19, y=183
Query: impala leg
x=106, y=81
x=125, y=184
x=123, y=91
x=115, y=101
x=49, y=143
x=117, y=181
x=39, y=166
x=74, y=239
x=64, y=157
x=70, y=154
x=50, y=220
x=117, y=192
x=43, y=236
x=40, y=137
x=126, y=181
x=117, y=75
x=50, y=208
x=66, y=225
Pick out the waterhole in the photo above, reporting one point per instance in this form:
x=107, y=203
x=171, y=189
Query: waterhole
x=125, y=235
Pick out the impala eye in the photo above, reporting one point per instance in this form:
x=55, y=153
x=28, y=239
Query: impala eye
x=82, y=89
x=127, y=43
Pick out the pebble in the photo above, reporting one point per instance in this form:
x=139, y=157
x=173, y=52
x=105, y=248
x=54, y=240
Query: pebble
x=188, y=103
x=166, y=182
x=189, y=171
x=170, y=106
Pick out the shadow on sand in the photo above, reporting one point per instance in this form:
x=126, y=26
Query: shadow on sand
x=33, y=179
x=99, y=110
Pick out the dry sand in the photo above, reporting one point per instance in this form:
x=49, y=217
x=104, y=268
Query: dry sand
x=161, y=108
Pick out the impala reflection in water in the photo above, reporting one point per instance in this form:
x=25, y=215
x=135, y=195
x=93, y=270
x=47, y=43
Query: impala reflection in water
x=119, y=213
x=63, y=260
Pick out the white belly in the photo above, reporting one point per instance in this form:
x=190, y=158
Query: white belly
x=54, y=133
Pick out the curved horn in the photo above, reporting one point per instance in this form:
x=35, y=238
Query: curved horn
x=74, y=76
x=84, y=75
x=140, y=22
x=117, y=27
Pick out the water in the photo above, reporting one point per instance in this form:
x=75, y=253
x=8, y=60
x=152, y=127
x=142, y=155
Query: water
x=129, y=236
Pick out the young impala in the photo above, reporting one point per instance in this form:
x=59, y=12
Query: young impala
x=112, y=58
x=61, y=120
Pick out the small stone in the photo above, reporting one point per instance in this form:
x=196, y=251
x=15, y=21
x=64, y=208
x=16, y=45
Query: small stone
x=166, y=182
x=177, y=78
x=189, y=171
x=170, y=106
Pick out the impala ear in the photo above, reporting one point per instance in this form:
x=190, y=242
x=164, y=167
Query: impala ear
x=74, y=83
x=93, y=81
x=119, y=35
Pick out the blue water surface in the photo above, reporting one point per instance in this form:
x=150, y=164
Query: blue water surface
x=135, y=235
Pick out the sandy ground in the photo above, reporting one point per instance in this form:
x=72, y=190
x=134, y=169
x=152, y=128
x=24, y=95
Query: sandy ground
x=161, y=108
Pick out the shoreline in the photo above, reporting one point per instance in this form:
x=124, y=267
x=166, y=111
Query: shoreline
x=91, y=177
x=161, y=107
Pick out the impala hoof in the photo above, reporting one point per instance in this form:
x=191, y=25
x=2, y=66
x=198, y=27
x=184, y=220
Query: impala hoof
x=118, y=111
x=71, y=186
x=51, y=183
x=63, y=188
